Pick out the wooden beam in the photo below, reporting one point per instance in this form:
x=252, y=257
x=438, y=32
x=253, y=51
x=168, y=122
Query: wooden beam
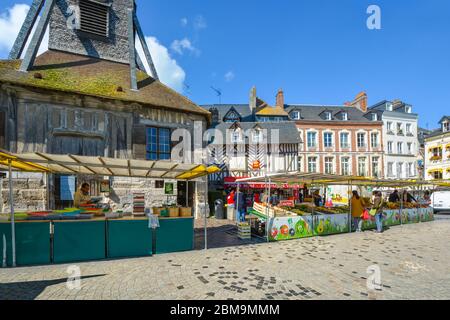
x=48, y=159
x=35, y=43
x=82, y=165
x=147, y=54
x=25, y=30
x=132, y=50
x=103, y=162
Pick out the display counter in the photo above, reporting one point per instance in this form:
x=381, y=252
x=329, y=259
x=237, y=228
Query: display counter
x=129, y=238
x=32, y=243
x=175, y=235
x=75, y=241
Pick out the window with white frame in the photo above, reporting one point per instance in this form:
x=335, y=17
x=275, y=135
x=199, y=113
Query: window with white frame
x=345, y=166
x=374, y=139
x=362, y=166
x=328, y=115
x=390, y=145
x=389, y=106
x=300, y=164
x=408, y=109
x=328, y=140
x=295, y=115
x=410, y=147
x=374, y=117
x=235, y=136
x=312, y=164
x=329, y=165
x=375, y=167
x=408, y=128
x=361, y=140
x=344, y=116
x=312, y=139
x=399, y=128
x=390, y=169
x=345, y=143
x=257, y=136
x=399, y=169
x=400, y=147
x=411, y=169
x=389, y=127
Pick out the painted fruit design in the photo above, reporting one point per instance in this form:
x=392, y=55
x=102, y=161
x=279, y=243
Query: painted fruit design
x=299, y=226
x=320, y=227
x=274, y=232
x=292, y=232
x=284, y=230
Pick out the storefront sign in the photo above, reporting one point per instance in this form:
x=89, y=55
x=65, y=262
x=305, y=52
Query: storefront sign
x=168, y=188
x=105, y=186
x=287, y=203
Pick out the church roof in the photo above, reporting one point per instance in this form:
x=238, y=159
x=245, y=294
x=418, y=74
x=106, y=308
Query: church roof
x=66, y=72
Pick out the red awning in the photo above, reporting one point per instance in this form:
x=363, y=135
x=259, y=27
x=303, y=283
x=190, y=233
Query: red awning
x=230, y=182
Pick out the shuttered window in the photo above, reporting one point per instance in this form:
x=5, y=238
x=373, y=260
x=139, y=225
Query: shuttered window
x=94, y=18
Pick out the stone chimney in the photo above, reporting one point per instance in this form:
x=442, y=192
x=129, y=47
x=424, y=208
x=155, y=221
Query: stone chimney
x=252, y=103
x=280, y=99
x=359, y=102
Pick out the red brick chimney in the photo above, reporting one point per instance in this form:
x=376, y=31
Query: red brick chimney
x=280, y=99
x=359, y=102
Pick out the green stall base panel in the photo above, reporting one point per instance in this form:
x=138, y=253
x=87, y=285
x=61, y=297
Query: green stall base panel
x=127, y=238
x=79, y=241
x=175, y=235
x=32, y=243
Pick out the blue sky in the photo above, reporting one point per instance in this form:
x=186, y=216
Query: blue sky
x=318, y=51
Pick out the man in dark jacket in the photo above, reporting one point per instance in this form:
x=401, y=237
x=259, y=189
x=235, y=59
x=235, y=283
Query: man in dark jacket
x=394, y=197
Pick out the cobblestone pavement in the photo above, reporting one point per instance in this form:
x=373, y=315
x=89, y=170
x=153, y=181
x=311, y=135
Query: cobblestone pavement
x=414, y=261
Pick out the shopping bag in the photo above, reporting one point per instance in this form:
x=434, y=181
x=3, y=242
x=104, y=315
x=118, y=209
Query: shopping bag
x=366, y=215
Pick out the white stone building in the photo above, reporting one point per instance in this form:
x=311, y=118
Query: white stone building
x=437, y=152
x=401, y=146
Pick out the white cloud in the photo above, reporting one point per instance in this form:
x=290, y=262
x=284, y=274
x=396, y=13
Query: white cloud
x=229, y=76
x=169, y=72
x=200, y=22
x=184, y=22
x=10, y=23
x=179, y=46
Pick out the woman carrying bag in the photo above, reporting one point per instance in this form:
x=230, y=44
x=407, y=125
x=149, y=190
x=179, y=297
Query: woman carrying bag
x=377, y=211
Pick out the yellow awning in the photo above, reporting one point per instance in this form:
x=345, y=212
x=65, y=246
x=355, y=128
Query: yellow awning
x=19, y=165
x=72, y=164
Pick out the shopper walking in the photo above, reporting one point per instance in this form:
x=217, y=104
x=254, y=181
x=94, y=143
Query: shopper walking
x=377, y=211
x=357, y=211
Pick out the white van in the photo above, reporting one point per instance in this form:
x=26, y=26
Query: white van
x=440, y=201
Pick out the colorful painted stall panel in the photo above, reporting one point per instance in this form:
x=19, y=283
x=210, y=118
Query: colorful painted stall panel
x=426, y=214
x=410, y=216
x=391, y=218
x=327, y=224
x=288, y=228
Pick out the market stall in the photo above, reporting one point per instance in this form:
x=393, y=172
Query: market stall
x=283, y=222
x=93, y=232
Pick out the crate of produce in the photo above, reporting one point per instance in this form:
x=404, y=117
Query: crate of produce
x=174, y=212
x=185, y=212
x=157, y=211
x=244, y=231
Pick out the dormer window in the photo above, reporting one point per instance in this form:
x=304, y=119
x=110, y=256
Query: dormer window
x=94, y=18
x=374, y=117
x=408, y=109
x=389, y=106
x=232, y=116
x=295, y=115
x=235, y=136
x=257, y=136
x=328, y=116
x=344, y=116
x=446, y=126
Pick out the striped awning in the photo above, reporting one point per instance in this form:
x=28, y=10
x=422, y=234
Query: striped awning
x=101, y=166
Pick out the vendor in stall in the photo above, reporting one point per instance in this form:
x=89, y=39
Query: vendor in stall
x=82, y=196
